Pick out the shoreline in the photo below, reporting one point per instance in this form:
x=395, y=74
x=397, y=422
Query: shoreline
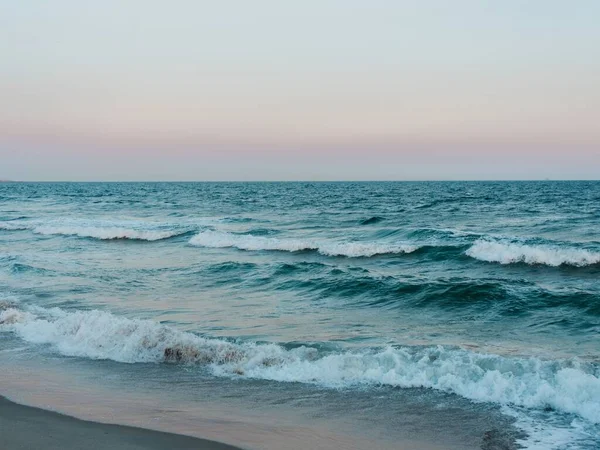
x=26, y=427
x=44, y=400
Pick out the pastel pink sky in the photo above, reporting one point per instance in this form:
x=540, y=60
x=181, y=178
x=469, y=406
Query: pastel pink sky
x=143, y=90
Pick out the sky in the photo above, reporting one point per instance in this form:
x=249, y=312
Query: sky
x=311, y=90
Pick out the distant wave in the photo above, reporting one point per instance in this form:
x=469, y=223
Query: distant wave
x=454, y=199
x=104, y=230
x=567, y=386
x=441, y=234
x=549, y=255
x=13, y=226
x=372, y=220
x=218, y=239
x=110, y=233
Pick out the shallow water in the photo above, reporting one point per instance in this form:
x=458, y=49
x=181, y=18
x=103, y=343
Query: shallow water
x=482, y=296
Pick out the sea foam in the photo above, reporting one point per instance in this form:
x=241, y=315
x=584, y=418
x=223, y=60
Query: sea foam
x=218, y=239
x=108, y=233
x=13, y=226
x=568, y=386
x=549, y=255
x=101, y=229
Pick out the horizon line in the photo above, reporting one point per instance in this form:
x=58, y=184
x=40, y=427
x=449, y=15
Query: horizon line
x=476, y=180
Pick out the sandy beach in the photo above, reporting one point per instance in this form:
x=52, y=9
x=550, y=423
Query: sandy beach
x=27, y=428
x=69, y=393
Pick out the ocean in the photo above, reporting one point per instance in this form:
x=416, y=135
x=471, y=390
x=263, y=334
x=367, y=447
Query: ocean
x=464, y=314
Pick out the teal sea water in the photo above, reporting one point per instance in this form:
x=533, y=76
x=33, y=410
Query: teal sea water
x=478, y=301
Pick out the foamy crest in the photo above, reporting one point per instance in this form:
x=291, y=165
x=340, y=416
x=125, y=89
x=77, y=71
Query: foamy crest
x=108, y=232
x=99, y=229
x=357, y=249
x=566, y=386
x=510, y=252
x=101, y=335
x=217, y=239
x=11, y=316
x=13, y=226
x=7, y=301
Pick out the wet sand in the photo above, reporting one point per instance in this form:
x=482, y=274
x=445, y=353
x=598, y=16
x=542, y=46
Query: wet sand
x=105, y=405
x=27, y=428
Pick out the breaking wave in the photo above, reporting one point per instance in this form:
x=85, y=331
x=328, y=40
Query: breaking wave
x=13, y=226
x=217, y=239
x=568, y=386
x=511, y=252
x=110, y=233
x=100, y=230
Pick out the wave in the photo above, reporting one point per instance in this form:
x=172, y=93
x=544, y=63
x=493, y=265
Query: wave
x=109, y=233
x=568, y=386
x=444, y=234
x=260, y=232
x=103, y=230
x=372, y=220
x=388, y=292
x=549, y=255
x=7, y=302
x=13, y=226
x=23, y=268
x=454, y=199
x=218, y=239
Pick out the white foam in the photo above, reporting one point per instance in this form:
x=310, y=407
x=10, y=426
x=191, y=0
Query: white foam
x=7, y=302
x=357, y=249
x=510, y=252
x=107, y=233
x=13, y=226
x=546, y=433
x=98, y=229
x=11, y=316
x=218, y=239
x=567, y=386
x=100, y=335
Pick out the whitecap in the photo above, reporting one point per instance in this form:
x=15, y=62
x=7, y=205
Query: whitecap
x=99, y=229
x=506, y=252
x=108, y=232
x=218, y=239
x=13, y=226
